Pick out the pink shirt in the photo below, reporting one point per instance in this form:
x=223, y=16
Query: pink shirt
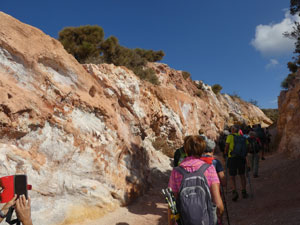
x=192, y=164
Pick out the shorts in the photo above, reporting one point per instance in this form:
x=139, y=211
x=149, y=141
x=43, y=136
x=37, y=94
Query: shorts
x=236, y=165
x=263, y=141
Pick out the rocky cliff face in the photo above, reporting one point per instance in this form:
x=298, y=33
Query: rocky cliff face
x=288, y=123
x=85, y=134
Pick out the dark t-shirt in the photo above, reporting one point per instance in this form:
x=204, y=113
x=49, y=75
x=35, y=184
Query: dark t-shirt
x=218, y=165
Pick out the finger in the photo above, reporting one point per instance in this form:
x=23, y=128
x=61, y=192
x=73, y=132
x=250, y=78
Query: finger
x=12, y=201
x=29, y=201
x=18, y=203
x=23, y=199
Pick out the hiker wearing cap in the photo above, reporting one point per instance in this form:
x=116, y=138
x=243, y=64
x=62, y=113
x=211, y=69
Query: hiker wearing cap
x=193, y=166
x=236, y=151
x=253, y=154
x=208, y=157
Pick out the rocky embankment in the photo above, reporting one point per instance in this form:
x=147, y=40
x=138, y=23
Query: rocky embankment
x=89, y=136
x=288, y=123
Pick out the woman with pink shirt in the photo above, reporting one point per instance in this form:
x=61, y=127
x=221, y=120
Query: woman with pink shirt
x=194, y=147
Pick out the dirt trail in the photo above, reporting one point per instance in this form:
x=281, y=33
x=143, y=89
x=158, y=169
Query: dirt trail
x=276, y=199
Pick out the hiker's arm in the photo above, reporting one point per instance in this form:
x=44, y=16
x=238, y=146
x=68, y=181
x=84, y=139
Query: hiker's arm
x=222, y=179
x=226, y=149
x=216, y=197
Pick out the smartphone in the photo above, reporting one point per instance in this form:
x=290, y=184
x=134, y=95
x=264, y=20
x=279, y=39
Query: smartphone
x=21, y=185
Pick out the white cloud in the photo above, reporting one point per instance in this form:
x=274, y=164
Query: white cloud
x=269, y=39
x=272, y=63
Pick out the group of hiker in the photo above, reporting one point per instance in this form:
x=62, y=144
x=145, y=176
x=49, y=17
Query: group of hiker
x=196, y=183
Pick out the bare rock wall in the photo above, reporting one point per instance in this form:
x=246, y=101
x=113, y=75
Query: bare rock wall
x=288, y=124
x=84, y=134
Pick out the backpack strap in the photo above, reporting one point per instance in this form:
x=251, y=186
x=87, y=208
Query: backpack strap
x=199, y=172
x=182, y=171
x=202, y=169
x=9, y=215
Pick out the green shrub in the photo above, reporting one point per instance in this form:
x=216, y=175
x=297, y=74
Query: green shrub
x=292, y=67
x=273, y=114
x=216, y=88
x=186, y=75
x=121, y=56
x=146, y=74
x=150, y=55
x=253, y=102
x=87, y=45
x=82, y=42
x=288, y=81
x=235, y=95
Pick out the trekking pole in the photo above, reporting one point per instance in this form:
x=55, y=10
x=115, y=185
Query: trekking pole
x=226, y=173
x=167, y=200
x=173, y=201
x=249, y=180
x=170, y=199
x=222, y=190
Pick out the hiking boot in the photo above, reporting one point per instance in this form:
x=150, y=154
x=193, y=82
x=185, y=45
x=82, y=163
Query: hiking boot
x=235, y=195
x=244, y=194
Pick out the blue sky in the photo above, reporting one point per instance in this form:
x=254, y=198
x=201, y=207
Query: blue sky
x=234, y=43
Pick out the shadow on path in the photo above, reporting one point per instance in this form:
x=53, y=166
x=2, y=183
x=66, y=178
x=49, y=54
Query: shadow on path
x=152, y=205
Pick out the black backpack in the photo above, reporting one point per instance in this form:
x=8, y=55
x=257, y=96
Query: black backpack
x=240, y=146
x=194, y=200
x=253, y=145
x=260, y=134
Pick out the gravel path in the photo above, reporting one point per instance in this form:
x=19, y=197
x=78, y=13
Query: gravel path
x=276, y=200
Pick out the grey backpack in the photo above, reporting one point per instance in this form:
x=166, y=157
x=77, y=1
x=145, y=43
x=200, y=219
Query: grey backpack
x=194, y=200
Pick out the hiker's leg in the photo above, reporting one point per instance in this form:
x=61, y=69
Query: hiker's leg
x=233, y=172
x=243, y=181
x=250, y=160
x=232, y=166
x=235, y=194
x=233, y=183
x=241, y=171
x=263, y=151
x=256, y=164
